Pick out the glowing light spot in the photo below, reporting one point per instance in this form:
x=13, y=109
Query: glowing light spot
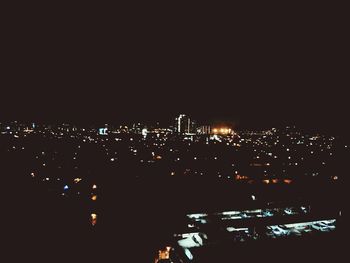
x=77, y=180
x=93, y=219
x=287, y=181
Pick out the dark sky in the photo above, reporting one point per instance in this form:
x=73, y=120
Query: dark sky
x=255, y=72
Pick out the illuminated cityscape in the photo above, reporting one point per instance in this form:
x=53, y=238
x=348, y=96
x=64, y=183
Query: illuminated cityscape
x=251, y=167
x=194, y=137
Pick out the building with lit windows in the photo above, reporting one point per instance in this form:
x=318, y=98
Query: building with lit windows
x=184, y=125
x=204, y=129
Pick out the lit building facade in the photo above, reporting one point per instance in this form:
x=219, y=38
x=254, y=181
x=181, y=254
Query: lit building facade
x=184, y=125
x=205, y=129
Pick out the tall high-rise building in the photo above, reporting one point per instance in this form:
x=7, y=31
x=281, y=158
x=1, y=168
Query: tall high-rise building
x=184, y=125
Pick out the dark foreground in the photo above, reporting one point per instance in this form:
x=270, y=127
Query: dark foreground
x=137, y=218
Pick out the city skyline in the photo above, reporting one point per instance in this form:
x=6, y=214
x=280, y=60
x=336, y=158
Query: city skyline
x=222, y=187
x=174, y=140
x=326, y=125
x=304, y=86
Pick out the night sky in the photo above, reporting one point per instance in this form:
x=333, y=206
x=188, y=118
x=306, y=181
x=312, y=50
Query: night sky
x=251, y=73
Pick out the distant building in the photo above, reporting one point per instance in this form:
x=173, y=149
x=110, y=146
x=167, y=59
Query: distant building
x=204, y=129
x=102, y=131
x=184, y=125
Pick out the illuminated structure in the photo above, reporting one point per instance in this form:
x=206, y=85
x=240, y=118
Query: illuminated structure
x=102, y=131
x=248, y=225
x=205, y=129
x=222, y=131
x=184, y=125
x=163, y=255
